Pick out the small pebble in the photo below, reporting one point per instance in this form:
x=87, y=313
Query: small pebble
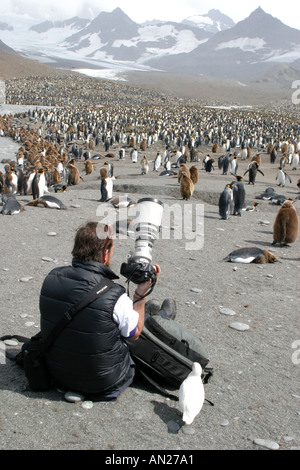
x=45, y=258
x=173, y=426
x=224, y=423
x=194, y=289
x=264, y=222
x=186, y=429
x=239, y=326
x=227, y=311
x=29, y=323
x=266, y=443
x=87, y=405
x=288, y=438
x=75, y=206
x=11, y=342
x=51, y=234
x=73, y=397
x=25, y=279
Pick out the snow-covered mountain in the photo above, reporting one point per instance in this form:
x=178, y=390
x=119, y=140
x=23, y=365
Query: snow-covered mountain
x=213, y=22
x=252, y=47
x=242, y=51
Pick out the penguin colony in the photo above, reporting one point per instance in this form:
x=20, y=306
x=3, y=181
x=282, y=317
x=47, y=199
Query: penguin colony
x=57, y=141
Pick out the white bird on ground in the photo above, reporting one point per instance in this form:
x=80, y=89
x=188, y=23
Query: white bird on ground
x=191, y=394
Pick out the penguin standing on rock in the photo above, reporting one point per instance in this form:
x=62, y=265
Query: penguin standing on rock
x=252, y=169
x=226, y=203
x=239, y=195
x=286, y=225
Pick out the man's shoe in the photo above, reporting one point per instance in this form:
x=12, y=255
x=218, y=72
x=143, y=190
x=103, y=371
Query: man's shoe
x=168, y=309
x=152, y=307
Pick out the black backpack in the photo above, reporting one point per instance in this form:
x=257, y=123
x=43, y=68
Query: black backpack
x=165, y=352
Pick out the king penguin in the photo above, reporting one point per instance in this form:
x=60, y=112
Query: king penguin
x=157, y=162
x=295, y=161
x=134, y=155
x=39, y=184
x=226, y=204
x=281, y=177
x=234, y=165
x=252, y=169
x=106, y=186
x=239, y=195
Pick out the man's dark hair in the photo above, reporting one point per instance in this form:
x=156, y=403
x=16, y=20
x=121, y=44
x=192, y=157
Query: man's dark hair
x=90, y=240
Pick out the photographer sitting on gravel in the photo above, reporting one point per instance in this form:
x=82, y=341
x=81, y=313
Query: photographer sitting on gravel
x=90, y=356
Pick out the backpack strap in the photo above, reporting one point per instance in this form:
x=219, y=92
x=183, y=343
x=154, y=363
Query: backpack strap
x=45, y=343
x=92, y=295
x=161, y=389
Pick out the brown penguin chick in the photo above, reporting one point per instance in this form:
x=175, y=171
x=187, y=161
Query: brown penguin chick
x=215, y=148
x=56, y=177
x=89, y=168
x=186, y=187
x=183, y=170
x=143, y=145
x=103, y=173
x=256, y=158
x=74, y=175
x=286, y=225
x=267, y=258
x=194, y=174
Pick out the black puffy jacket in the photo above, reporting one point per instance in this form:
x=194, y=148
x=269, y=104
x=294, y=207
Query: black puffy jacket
x=89, y=356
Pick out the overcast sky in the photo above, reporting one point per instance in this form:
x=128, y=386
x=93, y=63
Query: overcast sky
x=288, y=11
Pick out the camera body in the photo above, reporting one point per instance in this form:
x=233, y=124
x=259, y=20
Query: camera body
x=138, y=268
x=138, y=272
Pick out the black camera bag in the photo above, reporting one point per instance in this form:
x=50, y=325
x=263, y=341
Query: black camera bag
x=34, y=364
x=165, y=352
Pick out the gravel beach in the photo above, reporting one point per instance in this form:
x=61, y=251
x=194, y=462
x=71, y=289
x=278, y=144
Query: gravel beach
x=247, y=316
